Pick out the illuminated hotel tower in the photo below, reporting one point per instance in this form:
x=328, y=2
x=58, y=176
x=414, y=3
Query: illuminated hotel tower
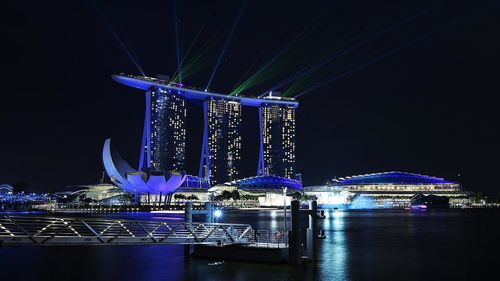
x=164, y=136
x=277, y=148
x=222, y=141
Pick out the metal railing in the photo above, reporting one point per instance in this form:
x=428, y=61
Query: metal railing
x=277, y=239
x=84, y=231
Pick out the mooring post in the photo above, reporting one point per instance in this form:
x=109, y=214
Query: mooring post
x=188, y=212
x=312, y=231
x=208, y=212
x=188, y=218
x=294, y=248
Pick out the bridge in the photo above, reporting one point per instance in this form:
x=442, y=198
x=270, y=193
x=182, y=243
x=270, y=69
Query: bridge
x=19, y=230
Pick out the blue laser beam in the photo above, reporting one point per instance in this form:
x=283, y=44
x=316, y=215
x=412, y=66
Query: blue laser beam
x=184, y=61
x=176, y=26
x=226, y=44
x=315, y=66
x=131, y=49
x=386, y=54
x=290, y=45
x=120, y=42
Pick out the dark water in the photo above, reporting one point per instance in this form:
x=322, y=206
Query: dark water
x=360, y=245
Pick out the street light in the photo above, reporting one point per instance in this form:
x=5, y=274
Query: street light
x=284, y=205
x=217, y=214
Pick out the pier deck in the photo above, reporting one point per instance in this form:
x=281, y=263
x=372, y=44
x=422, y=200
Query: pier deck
x=86, y=231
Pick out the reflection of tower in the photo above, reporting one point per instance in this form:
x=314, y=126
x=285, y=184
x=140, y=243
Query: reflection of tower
x=277, y=147
x=164, y=136
x=222, y=140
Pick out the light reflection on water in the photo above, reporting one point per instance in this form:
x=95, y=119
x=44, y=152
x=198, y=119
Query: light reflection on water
x=333, y=250
x=359, y=245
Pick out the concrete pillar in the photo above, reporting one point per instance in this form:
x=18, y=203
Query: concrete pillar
x=312, y=231
x=188, y=218
x=208, y=213
x=188, y=212
x=294, y=245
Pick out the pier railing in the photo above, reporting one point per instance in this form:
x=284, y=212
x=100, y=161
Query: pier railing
x=268, y=239
x=83, y=231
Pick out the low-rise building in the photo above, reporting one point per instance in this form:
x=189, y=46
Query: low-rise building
x=390, y=189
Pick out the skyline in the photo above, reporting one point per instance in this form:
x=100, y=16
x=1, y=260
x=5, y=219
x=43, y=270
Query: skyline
x=435, y=97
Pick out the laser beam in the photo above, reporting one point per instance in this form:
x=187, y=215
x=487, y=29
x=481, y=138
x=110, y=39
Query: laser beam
x=386, y=54
x=188, y=52
x=228, y=39
x=251, y=80
x=118, y=39
x=176, y=26
x=317, y=65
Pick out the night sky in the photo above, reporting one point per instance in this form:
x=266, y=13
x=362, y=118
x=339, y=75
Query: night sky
x=414, y=86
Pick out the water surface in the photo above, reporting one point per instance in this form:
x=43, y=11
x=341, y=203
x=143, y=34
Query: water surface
x=360, y=245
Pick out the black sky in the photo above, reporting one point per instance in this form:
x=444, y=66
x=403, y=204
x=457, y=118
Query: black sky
x=429, y=106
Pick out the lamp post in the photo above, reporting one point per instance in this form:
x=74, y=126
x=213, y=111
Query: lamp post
x=212, y=207
x=284, y=206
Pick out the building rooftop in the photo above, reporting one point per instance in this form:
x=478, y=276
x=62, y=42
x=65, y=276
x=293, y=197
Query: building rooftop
x=5, y=188
x=269, y=183
x=393, y=177
x=145, y=83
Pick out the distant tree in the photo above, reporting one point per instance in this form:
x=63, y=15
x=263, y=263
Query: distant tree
x=297, y=195
x=248, y=197
x=179, y=196
x=235, y=195
x=479, y=197
x=226, y=195
x=309, y=197
x=84, y=199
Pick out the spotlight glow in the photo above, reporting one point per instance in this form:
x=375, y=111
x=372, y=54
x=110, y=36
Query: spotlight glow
x=217, y=213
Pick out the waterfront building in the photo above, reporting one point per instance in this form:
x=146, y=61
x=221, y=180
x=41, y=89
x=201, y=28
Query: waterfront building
x=6, y=188
x=21, y=198
x=100, y=194
x=272, y=191
x=277, y=152
x=161, y=164
x=391, y=189
x=224, y=140
x=164, y=133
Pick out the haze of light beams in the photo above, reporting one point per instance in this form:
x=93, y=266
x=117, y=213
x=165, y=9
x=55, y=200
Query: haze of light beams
x=131, y=56
x=352, y=69
x=176, y=26
x=314, y=66
x=252, y=65
x=199, y=60
x=262, y=74
x=175, y=76
x=226, y=44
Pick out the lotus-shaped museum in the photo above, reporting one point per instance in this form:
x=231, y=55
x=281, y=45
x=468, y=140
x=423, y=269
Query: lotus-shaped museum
x=138, y=182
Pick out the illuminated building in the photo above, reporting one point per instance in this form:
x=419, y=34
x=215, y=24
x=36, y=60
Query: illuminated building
x=277, y=151
x=222, y=147
x=5, y=188
x=164, y=134
x=100, y=194
x=161, y=165
x=393, y=189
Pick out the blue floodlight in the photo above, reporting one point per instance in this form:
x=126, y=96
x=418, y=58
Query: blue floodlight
x=218, y=213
